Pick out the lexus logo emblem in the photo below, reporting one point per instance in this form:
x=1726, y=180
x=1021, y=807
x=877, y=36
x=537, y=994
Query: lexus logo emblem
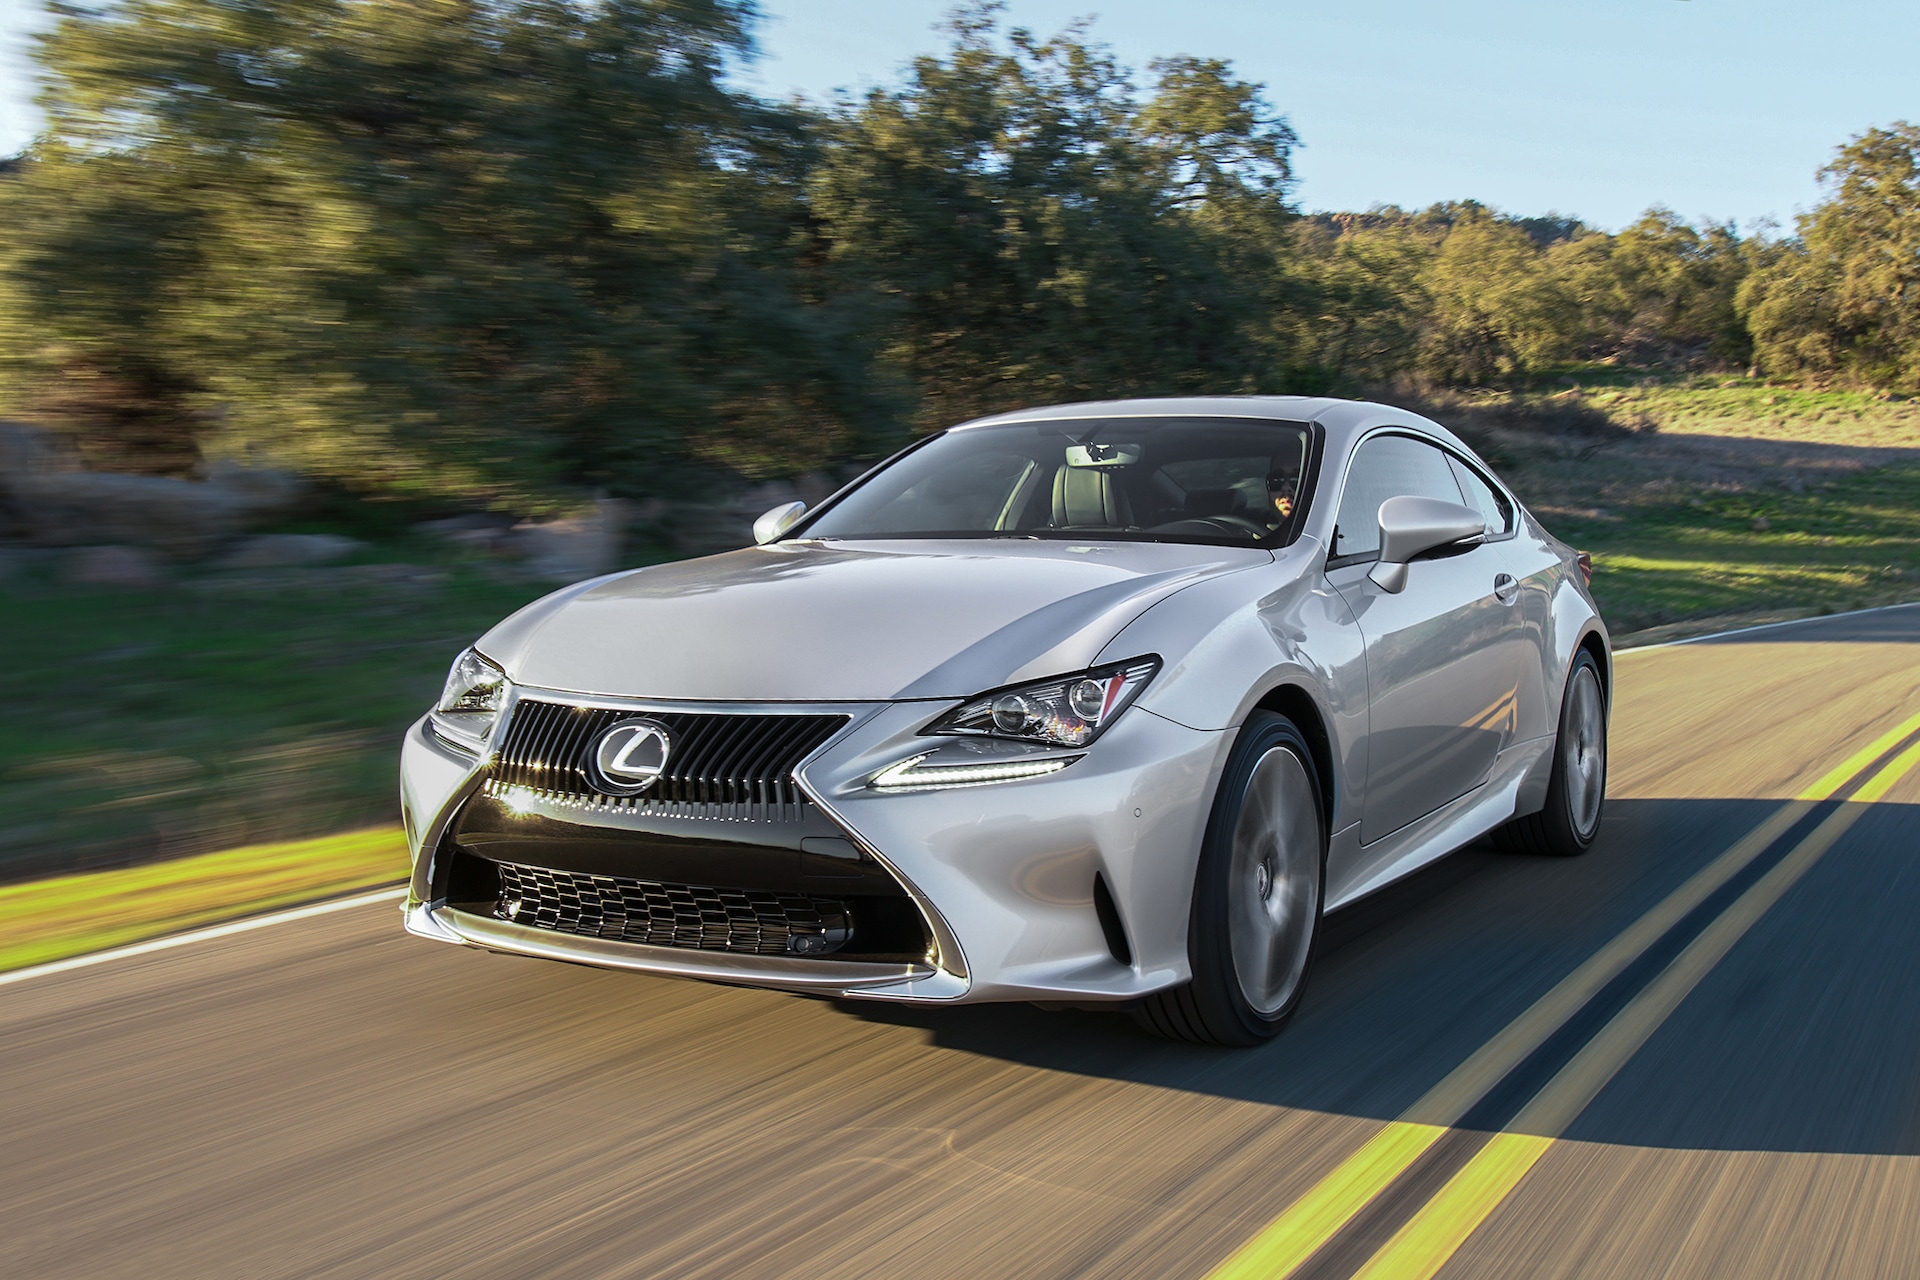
x=631, y=755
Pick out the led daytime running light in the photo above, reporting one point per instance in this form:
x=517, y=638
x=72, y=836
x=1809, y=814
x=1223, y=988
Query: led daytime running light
x=914, y=774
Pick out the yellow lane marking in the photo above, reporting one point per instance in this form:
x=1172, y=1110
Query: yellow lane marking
x=1883, y=781
x=1312, y=1220
x=1423, y=1246
x=1467, y=1083
x=1443, y=1224
x=1288, y=1240
x=1837, y=777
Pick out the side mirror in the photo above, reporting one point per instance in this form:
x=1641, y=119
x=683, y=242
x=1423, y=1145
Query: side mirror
x=777, y=521
x=1410, y=526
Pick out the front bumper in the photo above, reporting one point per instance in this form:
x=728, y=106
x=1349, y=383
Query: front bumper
x=1004, y=873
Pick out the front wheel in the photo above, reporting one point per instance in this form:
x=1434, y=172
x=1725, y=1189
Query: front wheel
x=1577, y=788
x=1257, y=895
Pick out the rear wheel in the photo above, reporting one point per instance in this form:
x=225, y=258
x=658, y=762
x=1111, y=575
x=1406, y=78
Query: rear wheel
x=1257, y=895
x=1577, y=789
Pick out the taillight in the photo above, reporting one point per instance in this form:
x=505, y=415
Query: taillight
x=1585, y=561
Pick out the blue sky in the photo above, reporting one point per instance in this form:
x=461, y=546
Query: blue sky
x=1598, y=108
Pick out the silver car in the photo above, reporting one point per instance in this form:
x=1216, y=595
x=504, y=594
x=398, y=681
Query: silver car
x=1102, y=703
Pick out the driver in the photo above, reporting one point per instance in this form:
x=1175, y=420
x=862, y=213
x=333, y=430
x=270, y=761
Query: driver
x=1281, y=492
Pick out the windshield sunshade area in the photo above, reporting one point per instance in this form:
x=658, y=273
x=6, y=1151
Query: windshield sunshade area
x=1233, y=481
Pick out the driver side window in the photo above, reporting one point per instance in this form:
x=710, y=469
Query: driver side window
x=1387, y=467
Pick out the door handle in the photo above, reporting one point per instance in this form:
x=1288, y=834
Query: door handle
x=1505, y=588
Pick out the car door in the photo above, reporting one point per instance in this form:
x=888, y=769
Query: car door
x=1443, y=654
x=1524, y=576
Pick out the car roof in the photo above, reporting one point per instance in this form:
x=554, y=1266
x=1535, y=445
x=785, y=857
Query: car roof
x=1342, y=420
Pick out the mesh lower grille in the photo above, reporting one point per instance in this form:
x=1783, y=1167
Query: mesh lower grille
x=672, y=915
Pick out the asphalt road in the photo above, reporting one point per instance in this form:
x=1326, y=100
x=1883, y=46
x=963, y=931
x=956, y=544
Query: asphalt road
x=329, y=1097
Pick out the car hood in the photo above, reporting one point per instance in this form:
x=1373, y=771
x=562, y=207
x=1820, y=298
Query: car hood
x=847, y=621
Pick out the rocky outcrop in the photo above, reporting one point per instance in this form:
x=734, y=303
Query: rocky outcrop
x=131, y=568
x=584, y=545
x=286, y=551
x=474, y=532
x=51, y=502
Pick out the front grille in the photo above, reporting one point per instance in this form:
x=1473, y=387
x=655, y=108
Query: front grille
x=672, y=915
x=721, y=765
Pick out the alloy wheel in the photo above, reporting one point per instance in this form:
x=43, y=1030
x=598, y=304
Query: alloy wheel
x=1274, y=885
x=1584, y=751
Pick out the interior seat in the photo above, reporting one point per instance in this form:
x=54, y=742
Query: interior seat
x=1250, y=499
x=1089, y=496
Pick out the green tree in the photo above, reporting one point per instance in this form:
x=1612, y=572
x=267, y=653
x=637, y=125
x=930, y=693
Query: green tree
x=1495, y=308
x=1359, y=281
x=442, y=245
x=1042, y=231
x=1660, y=292
x=1845, y=301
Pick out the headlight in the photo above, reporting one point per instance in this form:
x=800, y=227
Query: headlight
x=470, y=704
x=1068, y=711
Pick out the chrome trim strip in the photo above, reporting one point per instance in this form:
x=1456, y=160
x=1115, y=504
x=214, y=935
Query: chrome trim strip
x=621, y=811
x=675, y=962
x=707, y=706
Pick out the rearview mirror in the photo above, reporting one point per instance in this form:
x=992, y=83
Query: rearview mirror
x=777, y=521
x=1410, y=526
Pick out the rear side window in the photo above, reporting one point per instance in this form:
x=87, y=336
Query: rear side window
x=1484, y=498
x=1387, y=467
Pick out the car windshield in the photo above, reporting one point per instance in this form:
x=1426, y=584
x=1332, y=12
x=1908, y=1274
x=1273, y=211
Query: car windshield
x=1216, y=480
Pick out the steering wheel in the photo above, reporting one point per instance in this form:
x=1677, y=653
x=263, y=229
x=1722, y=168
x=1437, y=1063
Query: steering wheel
x=1239, y=524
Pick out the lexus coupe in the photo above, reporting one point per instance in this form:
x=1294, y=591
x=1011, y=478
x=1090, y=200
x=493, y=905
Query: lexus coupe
x=1101, y=703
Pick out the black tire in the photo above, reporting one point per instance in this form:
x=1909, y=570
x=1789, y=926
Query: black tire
x=1286, y=899
x=1577, y=789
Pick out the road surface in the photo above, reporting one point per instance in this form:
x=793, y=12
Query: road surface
x=331, y=1098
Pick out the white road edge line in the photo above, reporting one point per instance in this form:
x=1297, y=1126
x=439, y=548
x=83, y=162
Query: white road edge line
x=201, y=935
x=1765, y=626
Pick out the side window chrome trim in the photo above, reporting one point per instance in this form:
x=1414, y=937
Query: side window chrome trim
x=1395, y=429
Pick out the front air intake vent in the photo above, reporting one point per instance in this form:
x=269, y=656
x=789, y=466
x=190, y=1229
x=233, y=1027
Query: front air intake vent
x=719, y=764
x=673, y=915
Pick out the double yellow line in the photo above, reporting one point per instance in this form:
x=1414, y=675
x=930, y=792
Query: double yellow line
x=1442, y=1224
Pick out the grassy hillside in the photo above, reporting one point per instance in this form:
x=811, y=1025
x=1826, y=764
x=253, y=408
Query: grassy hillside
x=223, y=711
x=1710, y=502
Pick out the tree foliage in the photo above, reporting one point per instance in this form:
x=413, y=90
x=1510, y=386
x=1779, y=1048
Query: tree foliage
x=1845, y=301
x=502, y=249
x=1042, y=230
x=437, y=243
